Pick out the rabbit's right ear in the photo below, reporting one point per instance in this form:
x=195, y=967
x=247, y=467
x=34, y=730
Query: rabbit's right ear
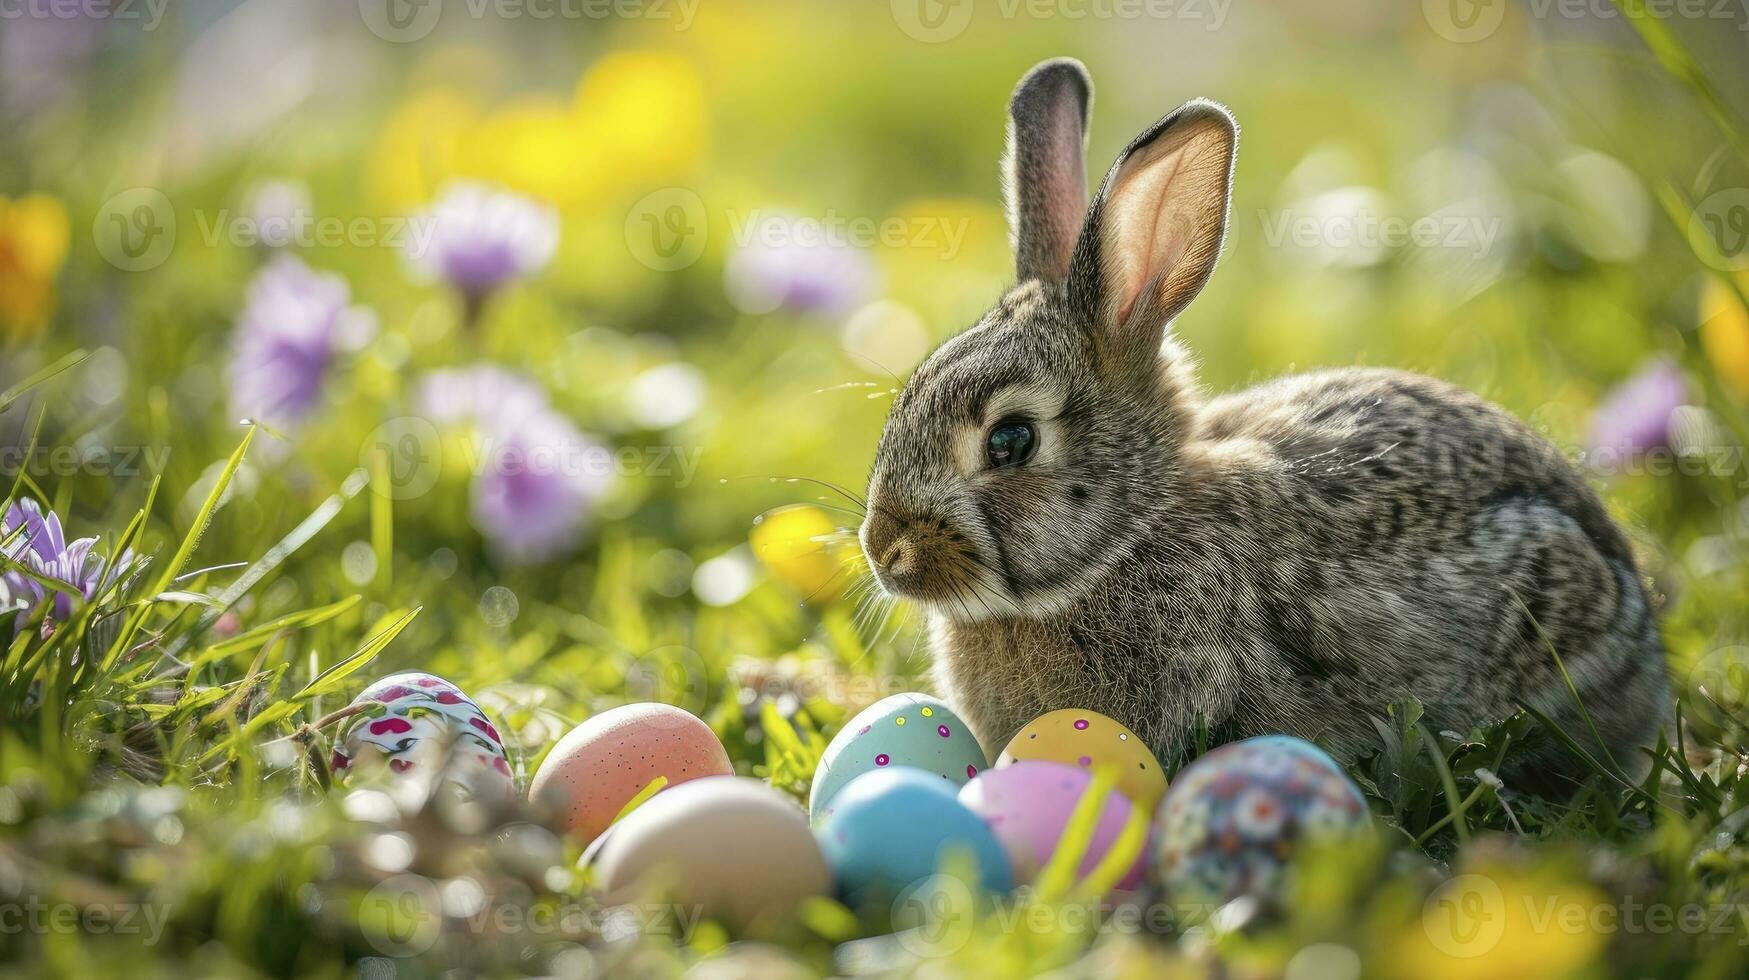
x=1045, y=171
x=1154, y=232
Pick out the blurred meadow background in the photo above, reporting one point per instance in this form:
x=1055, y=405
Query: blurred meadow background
x=686, y=249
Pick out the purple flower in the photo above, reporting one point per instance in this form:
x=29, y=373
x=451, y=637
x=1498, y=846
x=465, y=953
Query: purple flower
x=1635, y=417
x=35, y=540
x=38, y=56
x=484, y=395
x=540, y=481
x=800, y=266
x=287, y=338
x=536, y=477
x=477, y=238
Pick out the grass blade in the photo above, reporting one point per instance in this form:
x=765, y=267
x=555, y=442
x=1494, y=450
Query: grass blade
x=1674, y=58
x=330, y=680
x=202, y=518
x=1453, y=804
x=64, y=363
x=276, y=555
x=1058, y=876
x=382, y=522
x=261, y=634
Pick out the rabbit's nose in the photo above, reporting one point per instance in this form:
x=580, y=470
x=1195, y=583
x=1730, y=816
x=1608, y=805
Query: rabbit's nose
x=890, y=548
x=899, y=557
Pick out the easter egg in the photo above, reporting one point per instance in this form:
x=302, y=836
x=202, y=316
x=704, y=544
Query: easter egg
x=416, y=723
x=912, y=730
x=897, y=826
x=1231, y=822
x=602, y=764
x=1078, y=737
x=734, y=848
x=1028, y=806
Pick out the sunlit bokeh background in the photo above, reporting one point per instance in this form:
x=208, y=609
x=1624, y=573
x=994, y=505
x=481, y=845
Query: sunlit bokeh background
x=691, y=247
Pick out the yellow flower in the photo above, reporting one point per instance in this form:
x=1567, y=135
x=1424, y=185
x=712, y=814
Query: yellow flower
x=1497, y=921
x=794, y=543
x=419, y=148
x=1724, y=331
x=33, y=245
x=642, y=114
x=637, y=122
x=534, y=146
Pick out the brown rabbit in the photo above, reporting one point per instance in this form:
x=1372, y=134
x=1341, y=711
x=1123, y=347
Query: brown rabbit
x=1086, y=528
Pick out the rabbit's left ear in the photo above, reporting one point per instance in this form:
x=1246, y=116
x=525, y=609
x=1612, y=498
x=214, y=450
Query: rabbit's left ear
x=1154, y=231
x=1044, y=173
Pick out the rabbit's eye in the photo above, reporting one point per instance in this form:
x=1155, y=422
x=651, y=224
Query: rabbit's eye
x=1010, y=443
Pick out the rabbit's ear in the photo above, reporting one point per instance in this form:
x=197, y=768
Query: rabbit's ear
x=1155, y=228
x=1045, y=172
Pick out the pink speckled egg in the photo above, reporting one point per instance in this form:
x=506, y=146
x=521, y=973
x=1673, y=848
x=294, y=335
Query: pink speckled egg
x=1028, y=805
x=602, y=764
x=414, y=723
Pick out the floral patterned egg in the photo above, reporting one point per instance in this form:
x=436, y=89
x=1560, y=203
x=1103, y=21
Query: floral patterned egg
x=1082, y=738
x=912, y=730
x=1231, y=822
x=416, y=720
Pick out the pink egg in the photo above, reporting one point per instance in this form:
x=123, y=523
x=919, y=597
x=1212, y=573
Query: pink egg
x=604, y=763
x=1028, y=804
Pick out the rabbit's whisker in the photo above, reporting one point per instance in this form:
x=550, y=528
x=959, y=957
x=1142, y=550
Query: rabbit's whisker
x=861, y=504
x=826, y=585
x=821, y=503
x=884, y=369
x=903, y=618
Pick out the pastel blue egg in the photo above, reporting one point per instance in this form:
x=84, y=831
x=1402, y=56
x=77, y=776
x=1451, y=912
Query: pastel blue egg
x=1233, y=821
x=895, y=827
x=913, y=730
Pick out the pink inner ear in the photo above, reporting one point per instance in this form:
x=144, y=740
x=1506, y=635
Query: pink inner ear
x=1167, y=201
x=1068, y=193
x=1146, y=241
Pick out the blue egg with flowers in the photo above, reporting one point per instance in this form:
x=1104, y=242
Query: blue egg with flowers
x=1233, y=821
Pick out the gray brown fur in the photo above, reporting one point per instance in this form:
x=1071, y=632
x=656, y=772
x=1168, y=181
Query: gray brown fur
x=1288, y=558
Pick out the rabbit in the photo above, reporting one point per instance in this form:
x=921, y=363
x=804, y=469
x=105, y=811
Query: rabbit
x=1084, y=527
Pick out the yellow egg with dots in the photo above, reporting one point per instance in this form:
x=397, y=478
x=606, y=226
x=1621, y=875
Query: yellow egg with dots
x=1087, y=739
